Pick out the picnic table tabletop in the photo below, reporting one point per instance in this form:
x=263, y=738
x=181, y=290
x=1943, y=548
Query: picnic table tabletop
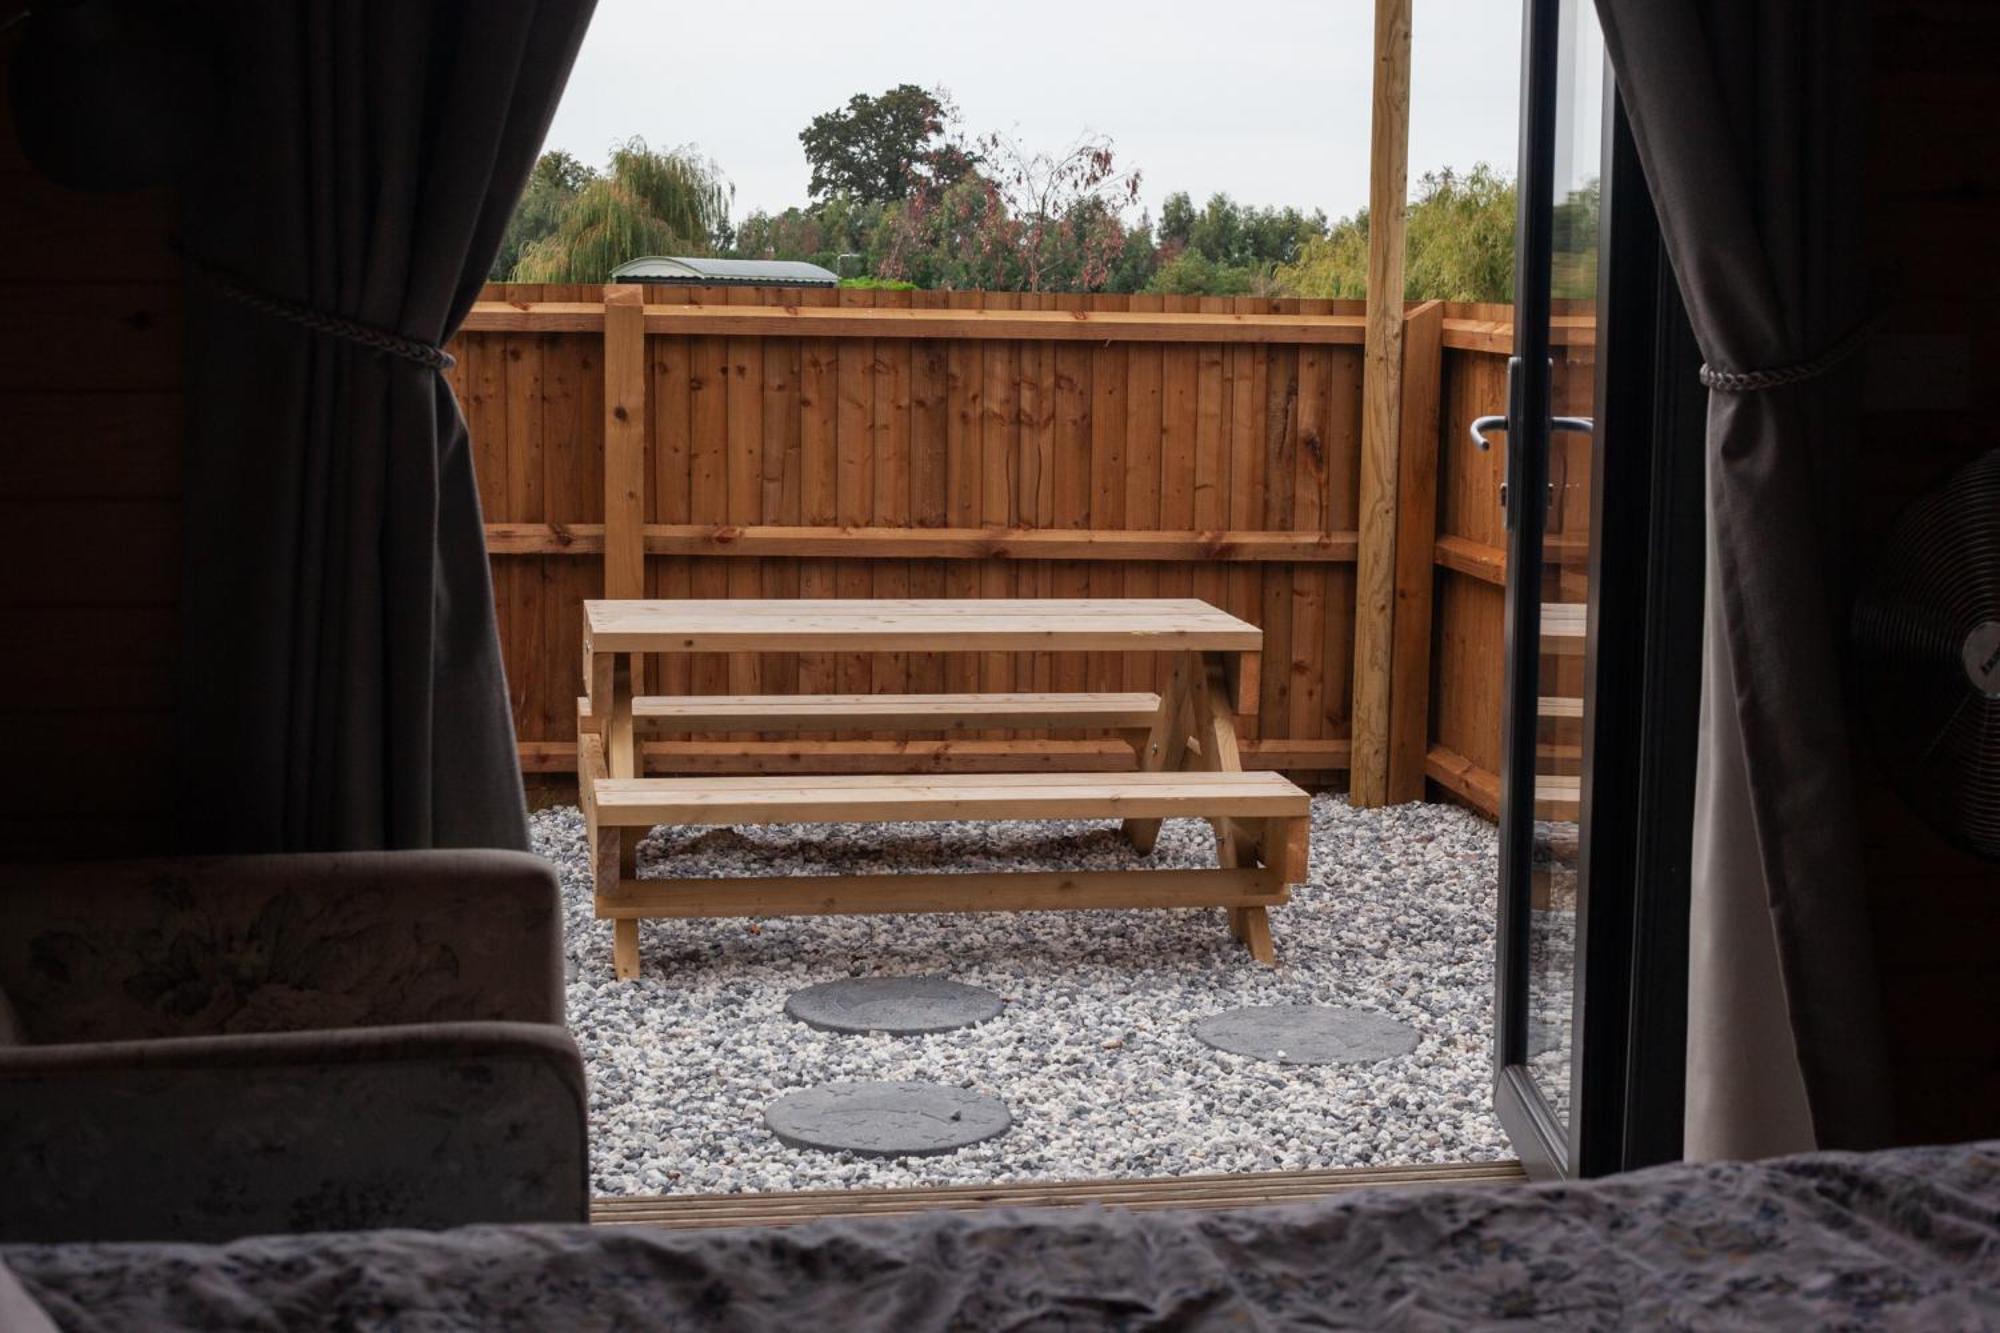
x=927, y=625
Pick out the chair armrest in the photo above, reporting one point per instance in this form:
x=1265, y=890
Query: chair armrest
x=188, y=947
x=208, y=1138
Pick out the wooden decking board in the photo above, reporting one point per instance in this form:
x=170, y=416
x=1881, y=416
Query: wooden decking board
x=1202, y=1191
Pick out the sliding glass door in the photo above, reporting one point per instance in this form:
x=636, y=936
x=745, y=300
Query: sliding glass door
x=1597, y=509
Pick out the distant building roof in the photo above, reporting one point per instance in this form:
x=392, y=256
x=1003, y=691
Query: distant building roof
x=746, y=272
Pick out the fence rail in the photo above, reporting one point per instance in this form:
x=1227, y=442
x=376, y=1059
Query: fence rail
x=677, y=442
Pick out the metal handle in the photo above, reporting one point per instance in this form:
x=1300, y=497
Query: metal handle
x=1480, y=425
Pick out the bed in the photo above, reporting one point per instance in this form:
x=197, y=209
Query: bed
x=1902, y=1239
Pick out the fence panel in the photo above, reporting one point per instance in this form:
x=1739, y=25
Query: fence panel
x=966, y=444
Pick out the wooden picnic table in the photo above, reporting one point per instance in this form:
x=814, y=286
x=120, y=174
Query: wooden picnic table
x=1186, y=760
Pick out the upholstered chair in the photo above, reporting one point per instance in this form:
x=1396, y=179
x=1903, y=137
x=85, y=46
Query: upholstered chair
x=203, y=1049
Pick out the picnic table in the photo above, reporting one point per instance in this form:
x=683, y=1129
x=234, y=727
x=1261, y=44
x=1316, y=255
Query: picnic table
x=1184, y=737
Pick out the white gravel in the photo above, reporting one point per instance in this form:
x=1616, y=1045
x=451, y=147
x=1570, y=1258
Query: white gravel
x=1093, y=1053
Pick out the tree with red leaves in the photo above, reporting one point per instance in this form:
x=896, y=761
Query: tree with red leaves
x=1025, y=220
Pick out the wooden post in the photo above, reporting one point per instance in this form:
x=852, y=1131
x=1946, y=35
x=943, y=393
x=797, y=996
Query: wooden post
x=624, y=551
x=1381, y=405
x=1416, y=535
x=624, y=441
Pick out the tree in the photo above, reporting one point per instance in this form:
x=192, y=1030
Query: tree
x=1137, y=261
x=1459, y=244
x=1027, y=220
x=646, y=203
x=1226, y=248
x=820, y=234
x=1191, y=273
x=1334, y=265
x=1574, y=242
x=1177, y=220
x=552, y=187
x=957, y=237
x=1065, y=207
x=1461, y=237
x=882, y=149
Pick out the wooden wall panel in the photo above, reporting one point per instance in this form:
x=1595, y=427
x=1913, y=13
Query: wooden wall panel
x=90, y=448
x=1934, y=206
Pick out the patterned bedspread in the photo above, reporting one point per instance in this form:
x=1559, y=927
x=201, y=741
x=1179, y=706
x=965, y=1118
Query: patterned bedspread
x=1902, y=1239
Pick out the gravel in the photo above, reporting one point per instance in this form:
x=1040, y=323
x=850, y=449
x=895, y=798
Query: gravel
x=1093, y=1053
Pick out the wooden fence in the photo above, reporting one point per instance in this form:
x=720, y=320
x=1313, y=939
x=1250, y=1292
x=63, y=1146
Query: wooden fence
x=680, y=442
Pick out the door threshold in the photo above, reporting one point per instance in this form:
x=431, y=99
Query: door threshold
x=1248, y=1189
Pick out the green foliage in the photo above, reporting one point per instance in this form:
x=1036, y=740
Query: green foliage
x=1574, y=242
x=1191, y=273
x=1177, y=220
x=1231, y=235
x=1028, y=220
x=1461, y=238
x=954, y=239
x=819, y=234
x=898, y=200
x=1226, y=248
x=878, y=284
x=1138, y=260
x=646, y=203
x=1459, y=245
x=880, y=149
x=552, y=187
x=1335, y=265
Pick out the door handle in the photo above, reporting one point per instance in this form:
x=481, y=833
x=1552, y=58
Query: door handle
x=1480, y=425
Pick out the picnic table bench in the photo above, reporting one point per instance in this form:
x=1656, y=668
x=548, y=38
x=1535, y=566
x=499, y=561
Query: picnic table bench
x=1184, y=737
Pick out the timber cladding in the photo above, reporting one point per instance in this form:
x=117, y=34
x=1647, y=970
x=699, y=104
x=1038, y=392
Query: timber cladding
x=801, y=443
x=90, y=455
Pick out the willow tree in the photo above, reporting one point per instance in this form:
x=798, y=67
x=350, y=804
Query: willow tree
x=645, y=203
x=1460, y=241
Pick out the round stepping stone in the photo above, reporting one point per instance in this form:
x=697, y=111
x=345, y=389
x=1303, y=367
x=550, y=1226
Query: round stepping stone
x=903, y=1119
x=1306, y=1034
x=901, y=1006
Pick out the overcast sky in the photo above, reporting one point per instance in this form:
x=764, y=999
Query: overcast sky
x=1264, y=99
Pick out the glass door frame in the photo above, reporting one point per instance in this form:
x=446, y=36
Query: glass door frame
x=1641, y=665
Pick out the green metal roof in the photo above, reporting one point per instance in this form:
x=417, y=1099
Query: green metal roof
x=744, y=272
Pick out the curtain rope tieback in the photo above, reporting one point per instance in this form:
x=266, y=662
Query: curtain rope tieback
x=319, y=321
x=1749, y=381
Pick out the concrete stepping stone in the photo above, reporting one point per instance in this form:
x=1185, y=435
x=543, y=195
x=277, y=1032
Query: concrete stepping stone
x=900, y=1006
x=1306, y=1034
x=884, y=1119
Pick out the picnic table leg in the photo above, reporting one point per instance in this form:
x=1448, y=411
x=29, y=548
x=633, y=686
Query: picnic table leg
x=1166, y=744
x=622, y=758
x=1215, y=732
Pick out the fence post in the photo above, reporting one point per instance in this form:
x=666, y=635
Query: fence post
x=1381, y=403
x=1416, y=540
x=624, y=441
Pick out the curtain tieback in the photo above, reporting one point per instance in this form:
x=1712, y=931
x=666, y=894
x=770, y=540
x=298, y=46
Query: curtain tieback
x=246, y=293
x=1749, y=381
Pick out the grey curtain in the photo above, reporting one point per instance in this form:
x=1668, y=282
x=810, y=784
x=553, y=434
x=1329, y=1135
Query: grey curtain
x=342, y=684
x=1748, y=118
